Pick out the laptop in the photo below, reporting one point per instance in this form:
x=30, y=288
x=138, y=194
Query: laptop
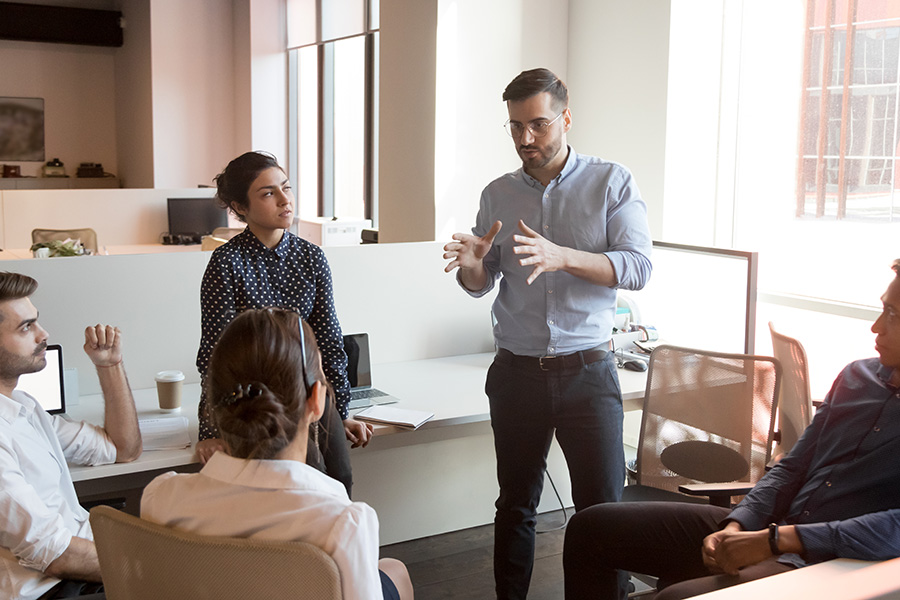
x=47, y=386
x=359, y=372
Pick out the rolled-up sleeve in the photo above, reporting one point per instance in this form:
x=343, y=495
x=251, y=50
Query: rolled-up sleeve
x=35, y=535
x=628, y=233
x=84, y=443
x=875, y=536
x=491, y=262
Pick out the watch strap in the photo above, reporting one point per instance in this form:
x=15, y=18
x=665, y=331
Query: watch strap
x=773, y=539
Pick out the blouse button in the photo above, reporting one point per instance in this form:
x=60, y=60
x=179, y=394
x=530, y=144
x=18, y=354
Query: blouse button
x=828, y=483
x=877, y=428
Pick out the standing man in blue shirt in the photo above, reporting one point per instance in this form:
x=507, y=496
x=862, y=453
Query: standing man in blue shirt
x=835, y=495
x=575, y=231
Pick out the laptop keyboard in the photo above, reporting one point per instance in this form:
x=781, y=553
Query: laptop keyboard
x=369, y=393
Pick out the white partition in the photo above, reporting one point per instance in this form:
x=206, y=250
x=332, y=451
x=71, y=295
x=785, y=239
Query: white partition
x=119, y=216
x=398, y=293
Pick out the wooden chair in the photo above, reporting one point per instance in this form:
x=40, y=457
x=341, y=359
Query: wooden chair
x=140, y=560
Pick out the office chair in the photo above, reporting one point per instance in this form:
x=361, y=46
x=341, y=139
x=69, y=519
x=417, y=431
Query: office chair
x=140, y=560
x=707, y=425
x=87, y=236
x=795, y=406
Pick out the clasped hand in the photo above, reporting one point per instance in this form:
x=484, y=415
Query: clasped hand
x=731, y=549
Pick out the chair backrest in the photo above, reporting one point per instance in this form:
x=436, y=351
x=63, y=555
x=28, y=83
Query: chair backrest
x=795, y=409
x=87, y=236
x=708, y=417
x=226, y=233
x=140, y=560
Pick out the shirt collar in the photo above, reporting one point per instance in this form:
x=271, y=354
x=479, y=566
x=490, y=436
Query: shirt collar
x=885, y=374
x=257, y=249
x=270, y=474
x=567, y=169
x=11, y=409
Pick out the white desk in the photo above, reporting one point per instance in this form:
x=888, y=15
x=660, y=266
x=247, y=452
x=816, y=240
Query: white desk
x=452, y=388
x=841, y=579
x=445, y=468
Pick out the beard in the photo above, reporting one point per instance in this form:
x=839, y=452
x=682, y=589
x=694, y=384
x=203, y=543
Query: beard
x=542, y=155
x=14, y=365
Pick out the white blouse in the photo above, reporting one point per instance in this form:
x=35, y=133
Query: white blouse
x=280, y=500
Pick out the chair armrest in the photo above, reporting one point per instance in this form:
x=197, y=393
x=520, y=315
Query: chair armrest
x=719, y=494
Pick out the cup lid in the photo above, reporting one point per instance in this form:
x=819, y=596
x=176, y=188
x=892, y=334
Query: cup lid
x=170, y=376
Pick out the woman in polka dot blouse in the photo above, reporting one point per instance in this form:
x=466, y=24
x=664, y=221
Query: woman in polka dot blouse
x=267, y=266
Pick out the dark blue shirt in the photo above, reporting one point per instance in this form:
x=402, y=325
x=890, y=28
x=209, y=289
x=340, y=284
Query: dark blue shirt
x=244, y=274
x=840, y=485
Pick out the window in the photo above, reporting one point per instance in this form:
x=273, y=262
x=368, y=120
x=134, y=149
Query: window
x=752, y=155
x=333, y=106
x=849, y=132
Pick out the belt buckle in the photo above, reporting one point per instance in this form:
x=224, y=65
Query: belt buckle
x=541, y=362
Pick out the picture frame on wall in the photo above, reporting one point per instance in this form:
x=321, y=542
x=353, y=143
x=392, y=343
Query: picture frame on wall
x=21, y=129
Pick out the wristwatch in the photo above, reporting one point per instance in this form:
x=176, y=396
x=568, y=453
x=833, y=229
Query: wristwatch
x=773, y=539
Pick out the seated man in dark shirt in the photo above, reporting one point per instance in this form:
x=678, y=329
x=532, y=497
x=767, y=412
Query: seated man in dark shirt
x=835, y=495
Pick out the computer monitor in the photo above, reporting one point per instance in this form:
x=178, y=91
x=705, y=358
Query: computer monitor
x=47, y=386
x=701, y=297
x=195, y=217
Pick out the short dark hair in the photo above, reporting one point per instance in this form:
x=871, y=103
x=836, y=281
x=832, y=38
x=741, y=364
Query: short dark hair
x=233, y=184
x=14, y=286
x=256, y=392
x=533, y=82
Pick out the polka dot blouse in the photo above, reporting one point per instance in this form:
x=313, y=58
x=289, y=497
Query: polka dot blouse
x=244, y=274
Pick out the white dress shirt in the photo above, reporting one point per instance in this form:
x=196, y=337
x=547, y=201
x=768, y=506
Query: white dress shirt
x=280, y=500
x=39, y=509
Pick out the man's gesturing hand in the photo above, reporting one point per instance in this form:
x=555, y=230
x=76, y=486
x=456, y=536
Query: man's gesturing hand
x=545, y=255
x=467, y=251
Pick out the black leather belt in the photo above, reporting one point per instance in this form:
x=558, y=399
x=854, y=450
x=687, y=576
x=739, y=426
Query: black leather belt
x=554, y=363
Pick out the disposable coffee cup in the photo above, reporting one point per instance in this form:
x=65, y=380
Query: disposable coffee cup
x=168, y=388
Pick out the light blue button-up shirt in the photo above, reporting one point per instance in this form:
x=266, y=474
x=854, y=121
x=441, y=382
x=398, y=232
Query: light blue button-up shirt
x=592, y=205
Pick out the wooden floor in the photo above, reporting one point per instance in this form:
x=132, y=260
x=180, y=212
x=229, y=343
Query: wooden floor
x=459, y=564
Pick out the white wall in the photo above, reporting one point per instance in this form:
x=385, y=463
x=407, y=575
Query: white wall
x=268, y=77
x=193, y=79
x=481, y=47
x=406, y=120
x=77, y=84
x=618, y=70
x=134, y=106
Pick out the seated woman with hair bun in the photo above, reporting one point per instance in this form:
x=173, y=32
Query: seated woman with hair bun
x=265, y=388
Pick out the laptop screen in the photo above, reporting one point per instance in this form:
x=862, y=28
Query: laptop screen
x=359, y=367
x=46, y=386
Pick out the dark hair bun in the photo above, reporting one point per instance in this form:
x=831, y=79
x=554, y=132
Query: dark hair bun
x=256, y=424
